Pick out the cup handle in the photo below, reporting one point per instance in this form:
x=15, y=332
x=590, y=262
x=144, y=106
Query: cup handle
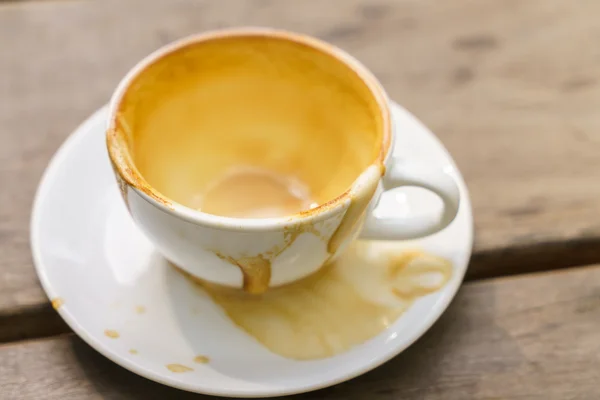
x=402, y=173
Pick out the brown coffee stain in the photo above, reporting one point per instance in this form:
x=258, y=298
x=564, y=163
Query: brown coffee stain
x=57, y=302
x=111, y=334
x=178, y=368
x=290, y=234
x=252, y=192
x=133, y=351
x=417, y=274
x=360, y=195
x=201, y=360
x=341, y=306
x=256, y=271
x=118, y=141
x=122, y=187
x=140, y=309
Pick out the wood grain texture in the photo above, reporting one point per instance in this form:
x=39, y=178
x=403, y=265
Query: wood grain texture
x=533, y=337
x=509, y=86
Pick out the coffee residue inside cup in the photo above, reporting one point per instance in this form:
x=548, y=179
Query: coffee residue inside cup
x=252, y=192
x=341, y=306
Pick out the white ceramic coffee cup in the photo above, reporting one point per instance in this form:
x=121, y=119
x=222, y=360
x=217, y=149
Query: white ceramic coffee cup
x=260, y=253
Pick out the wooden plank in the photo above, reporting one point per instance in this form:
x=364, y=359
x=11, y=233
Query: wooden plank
x=532, y=337
x=509, y=86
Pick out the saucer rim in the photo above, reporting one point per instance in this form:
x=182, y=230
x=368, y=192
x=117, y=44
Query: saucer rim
x=45, y=185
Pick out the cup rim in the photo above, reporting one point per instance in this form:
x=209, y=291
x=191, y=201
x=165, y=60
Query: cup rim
x=127, y=171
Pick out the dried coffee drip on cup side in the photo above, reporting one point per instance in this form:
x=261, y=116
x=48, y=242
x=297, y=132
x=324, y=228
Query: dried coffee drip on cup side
x=238, y=185
x=252, y=192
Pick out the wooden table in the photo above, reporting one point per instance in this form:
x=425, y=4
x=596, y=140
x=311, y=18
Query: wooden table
x=510, y=86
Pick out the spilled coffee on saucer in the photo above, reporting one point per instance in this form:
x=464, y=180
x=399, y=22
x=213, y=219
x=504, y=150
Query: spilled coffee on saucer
x=259, y=128
x=343, y=305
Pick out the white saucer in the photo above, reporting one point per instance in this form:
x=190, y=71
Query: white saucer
x=89, y=254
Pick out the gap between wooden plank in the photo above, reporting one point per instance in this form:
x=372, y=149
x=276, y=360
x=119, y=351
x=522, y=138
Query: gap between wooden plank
x=534, y=257
x=31, y=323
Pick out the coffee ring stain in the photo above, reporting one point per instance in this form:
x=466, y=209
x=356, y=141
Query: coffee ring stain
x=140, y=309
x=178, y=368
x=111, y=334
x=57, y=302
x=201, y=359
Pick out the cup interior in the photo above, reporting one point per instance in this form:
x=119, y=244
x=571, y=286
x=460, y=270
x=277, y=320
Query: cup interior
x=250, y=125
